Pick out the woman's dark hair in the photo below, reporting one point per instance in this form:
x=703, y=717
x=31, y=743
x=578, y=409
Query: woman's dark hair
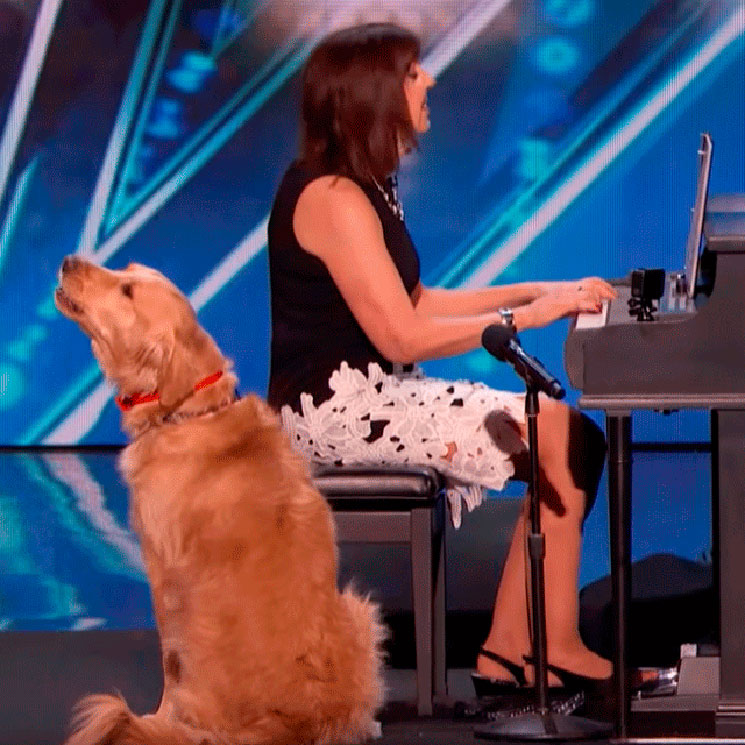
x=355, y=118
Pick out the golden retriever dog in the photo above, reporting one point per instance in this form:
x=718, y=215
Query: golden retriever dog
x=258, y=645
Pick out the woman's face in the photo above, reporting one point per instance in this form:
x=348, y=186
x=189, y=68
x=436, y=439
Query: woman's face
x=416, y=84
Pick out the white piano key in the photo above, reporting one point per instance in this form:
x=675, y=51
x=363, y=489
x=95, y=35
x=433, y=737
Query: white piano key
x=593, y=320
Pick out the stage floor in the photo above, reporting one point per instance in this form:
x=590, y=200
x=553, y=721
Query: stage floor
x=456, y=719
x=76, y=614
x=43, y=674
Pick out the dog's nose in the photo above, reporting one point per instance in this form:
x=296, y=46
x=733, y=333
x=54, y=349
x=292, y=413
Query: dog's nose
x=69, y=262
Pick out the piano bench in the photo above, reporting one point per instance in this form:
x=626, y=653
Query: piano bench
x=403, y=505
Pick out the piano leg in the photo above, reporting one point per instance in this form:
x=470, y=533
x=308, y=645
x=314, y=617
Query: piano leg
x=728, y=472
x=618, y=433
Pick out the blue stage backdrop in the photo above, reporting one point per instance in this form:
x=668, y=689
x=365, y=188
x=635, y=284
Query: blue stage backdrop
x=563, y=144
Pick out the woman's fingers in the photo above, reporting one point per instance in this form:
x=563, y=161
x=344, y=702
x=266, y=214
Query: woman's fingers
x=591, y=292
x=569, y=298
x=594, y=287
x=589, y=305
x=598, y=286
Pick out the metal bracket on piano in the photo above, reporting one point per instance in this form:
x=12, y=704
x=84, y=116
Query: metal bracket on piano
x=647, y=286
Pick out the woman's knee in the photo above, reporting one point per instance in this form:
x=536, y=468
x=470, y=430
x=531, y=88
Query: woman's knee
x=586, y=456
x=567, y=435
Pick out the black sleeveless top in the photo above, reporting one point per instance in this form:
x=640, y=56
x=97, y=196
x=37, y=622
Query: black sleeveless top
x=313, y=330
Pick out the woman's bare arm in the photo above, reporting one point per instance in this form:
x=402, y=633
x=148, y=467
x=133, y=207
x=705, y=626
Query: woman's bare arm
x=438, y=301
x=335, y=221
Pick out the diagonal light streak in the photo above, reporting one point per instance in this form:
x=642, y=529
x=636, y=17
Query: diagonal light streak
x=15, y=207
x=24, y=92
x=452, y=273
x=535, y=224
x=120, y=130
x=451, y=46
x=143, y=105
x=462, y=34
x=194, y=151
x=150, y=206
x=90, y=498
x=250, y=246
x=80, y=385
x=69, y=518
x=176, y=182
x=223, y=39
x=80, y=421
x=441, y=56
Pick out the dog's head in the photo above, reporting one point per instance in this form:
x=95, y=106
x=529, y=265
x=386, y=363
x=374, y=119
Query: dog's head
x=143, y=331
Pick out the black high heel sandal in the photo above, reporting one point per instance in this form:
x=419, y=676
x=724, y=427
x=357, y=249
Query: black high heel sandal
x=486, y=686
x=575, y=682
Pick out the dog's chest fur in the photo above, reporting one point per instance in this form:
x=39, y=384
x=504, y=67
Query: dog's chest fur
x=183, y=476
x=227, y=492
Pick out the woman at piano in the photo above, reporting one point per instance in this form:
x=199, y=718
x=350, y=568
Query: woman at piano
x=351, y=320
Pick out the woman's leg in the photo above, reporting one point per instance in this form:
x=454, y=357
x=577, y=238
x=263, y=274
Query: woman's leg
x=571, y=451
x=509, y=633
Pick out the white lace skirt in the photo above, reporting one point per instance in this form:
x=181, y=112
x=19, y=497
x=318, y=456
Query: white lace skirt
x=410, y=418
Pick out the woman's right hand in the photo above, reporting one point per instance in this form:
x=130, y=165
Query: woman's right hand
x=577, y=297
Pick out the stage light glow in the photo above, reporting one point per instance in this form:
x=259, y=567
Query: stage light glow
x=569, y=13
x=12, y=385
x=556, y=55
x=427, y=18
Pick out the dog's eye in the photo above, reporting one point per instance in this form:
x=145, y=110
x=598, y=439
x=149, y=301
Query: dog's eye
x=127, y=290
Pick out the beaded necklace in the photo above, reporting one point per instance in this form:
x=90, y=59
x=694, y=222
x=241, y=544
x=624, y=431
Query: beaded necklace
x=391, y=196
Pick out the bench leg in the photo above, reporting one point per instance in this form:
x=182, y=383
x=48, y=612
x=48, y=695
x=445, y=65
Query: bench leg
x=439, y=605
x=422, y=593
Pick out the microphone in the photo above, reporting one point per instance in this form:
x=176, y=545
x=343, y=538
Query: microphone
x=502, y=343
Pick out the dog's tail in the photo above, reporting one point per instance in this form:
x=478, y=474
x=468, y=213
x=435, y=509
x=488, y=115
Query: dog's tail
x=103, y=719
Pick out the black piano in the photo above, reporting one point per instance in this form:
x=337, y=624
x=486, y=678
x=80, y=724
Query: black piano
x=688, y=353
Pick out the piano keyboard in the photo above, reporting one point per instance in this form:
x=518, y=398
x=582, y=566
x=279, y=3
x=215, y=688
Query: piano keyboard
x=593, y=320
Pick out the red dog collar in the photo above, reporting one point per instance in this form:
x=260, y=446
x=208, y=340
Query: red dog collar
x=129, y=402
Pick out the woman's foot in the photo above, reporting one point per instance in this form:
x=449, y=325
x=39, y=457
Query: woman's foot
x=499, y=667
x=503, y=672
x=582, y=661
x=505, y=677
x=566, y=668
x=572, y=682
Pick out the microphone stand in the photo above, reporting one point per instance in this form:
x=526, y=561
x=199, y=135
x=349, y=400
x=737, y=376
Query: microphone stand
x=541, y=723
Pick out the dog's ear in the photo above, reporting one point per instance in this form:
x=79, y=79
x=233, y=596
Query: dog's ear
x=177, y=373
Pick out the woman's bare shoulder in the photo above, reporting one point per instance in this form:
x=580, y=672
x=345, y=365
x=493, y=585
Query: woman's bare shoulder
x=333, y=211
x=327, y=192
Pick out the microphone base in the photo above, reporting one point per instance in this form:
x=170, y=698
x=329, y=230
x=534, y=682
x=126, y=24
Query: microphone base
x=544, y=727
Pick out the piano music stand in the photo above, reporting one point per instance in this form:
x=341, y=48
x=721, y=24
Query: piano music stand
x=542, y=723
